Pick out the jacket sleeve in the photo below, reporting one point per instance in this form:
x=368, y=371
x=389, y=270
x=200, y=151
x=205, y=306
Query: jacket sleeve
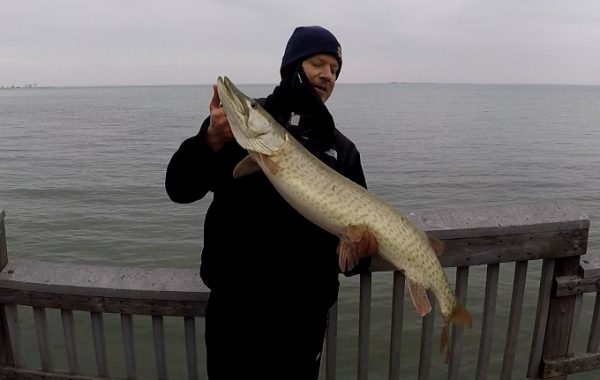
x=190, y=173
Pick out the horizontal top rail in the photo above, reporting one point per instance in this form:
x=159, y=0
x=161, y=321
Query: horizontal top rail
x=149, y=291
x=104, y=281
x=502, y=219
x=503, y=233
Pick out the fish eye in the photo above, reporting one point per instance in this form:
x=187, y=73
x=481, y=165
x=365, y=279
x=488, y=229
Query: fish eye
x=254, y=105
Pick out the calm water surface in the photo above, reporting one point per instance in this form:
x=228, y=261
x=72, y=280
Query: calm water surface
x=82, y=173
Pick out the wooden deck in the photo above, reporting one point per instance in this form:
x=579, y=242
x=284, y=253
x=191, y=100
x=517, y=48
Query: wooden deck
x=518, y=237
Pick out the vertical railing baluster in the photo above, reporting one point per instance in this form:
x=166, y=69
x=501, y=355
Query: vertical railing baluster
x=541, y=319
x=99, y=343
x=489, y=314
x=594, y=338
x=41, y=329
x=397, y=321
x=575, y=324
x=561, y=317
x=6, y=354
x=364, y=325
x=70, y=341
x=331, y=345
x=462, y=281
x=159, y=346
x=128, y=344
x=14, y=333
x=190, y=347
x=514, y=320
x=427, y=324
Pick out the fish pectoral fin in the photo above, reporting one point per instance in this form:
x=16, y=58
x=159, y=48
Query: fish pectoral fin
x=357, y=243
x=267, y=147
x=245, y=167
x=268, y=163
x=356, y=232
x=347, y=254
x=418, y=294
x=437, y=245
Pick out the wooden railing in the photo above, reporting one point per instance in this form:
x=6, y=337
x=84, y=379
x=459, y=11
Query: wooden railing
x=495, y=237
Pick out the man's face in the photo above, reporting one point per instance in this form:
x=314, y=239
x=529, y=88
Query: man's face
x=321, y=72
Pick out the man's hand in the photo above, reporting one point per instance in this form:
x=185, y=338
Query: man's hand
x=218, y=132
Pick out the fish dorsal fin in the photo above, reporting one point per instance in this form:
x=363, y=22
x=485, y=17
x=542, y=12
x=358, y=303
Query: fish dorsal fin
x=437, y=245
x=418, y=294
x=245, y=167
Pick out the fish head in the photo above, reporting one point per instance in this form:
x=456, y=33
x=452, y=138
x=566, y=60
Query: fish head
x=252, y=126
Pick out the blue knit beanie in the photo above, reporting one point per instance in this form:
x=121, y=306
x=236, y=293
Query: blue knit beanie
x=307, y=41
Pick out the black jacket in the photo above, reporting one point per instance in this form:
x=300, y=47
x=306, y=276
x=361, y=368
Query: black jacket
x=253, y=240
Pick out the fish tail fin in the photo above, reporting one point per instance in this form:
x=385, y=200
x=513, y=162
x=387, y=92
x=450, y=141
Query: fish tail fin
x=444, y=342
x=459, y=317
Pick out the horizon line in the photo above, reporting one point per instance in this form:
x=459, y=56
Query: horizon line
x=38, y=86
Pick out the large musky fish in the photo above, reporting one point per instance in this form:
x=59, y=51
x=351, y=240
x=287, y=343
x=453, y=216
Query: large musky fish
x=339, y=205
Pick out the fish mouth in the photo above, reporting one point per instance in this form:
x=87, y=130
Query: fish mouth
x=233, y=100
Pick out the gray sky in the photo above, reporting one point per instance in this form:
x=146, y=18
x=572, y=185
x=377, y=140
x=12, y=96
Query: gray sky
x=137, y=42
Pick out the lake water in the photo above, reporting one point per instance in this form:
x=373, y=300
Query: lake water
x=82, y=173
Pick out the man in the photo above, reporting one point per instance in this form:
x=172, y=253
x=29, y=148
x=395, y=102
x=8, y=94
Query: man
x=273, y=274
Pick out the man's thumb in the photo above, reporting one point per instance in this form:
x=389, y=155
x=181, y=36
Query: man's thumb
x=215, y=102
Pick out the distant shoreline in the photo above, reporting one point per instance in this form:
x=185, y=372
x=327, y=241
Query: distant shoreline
x=17, y=87
x=393, y=83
